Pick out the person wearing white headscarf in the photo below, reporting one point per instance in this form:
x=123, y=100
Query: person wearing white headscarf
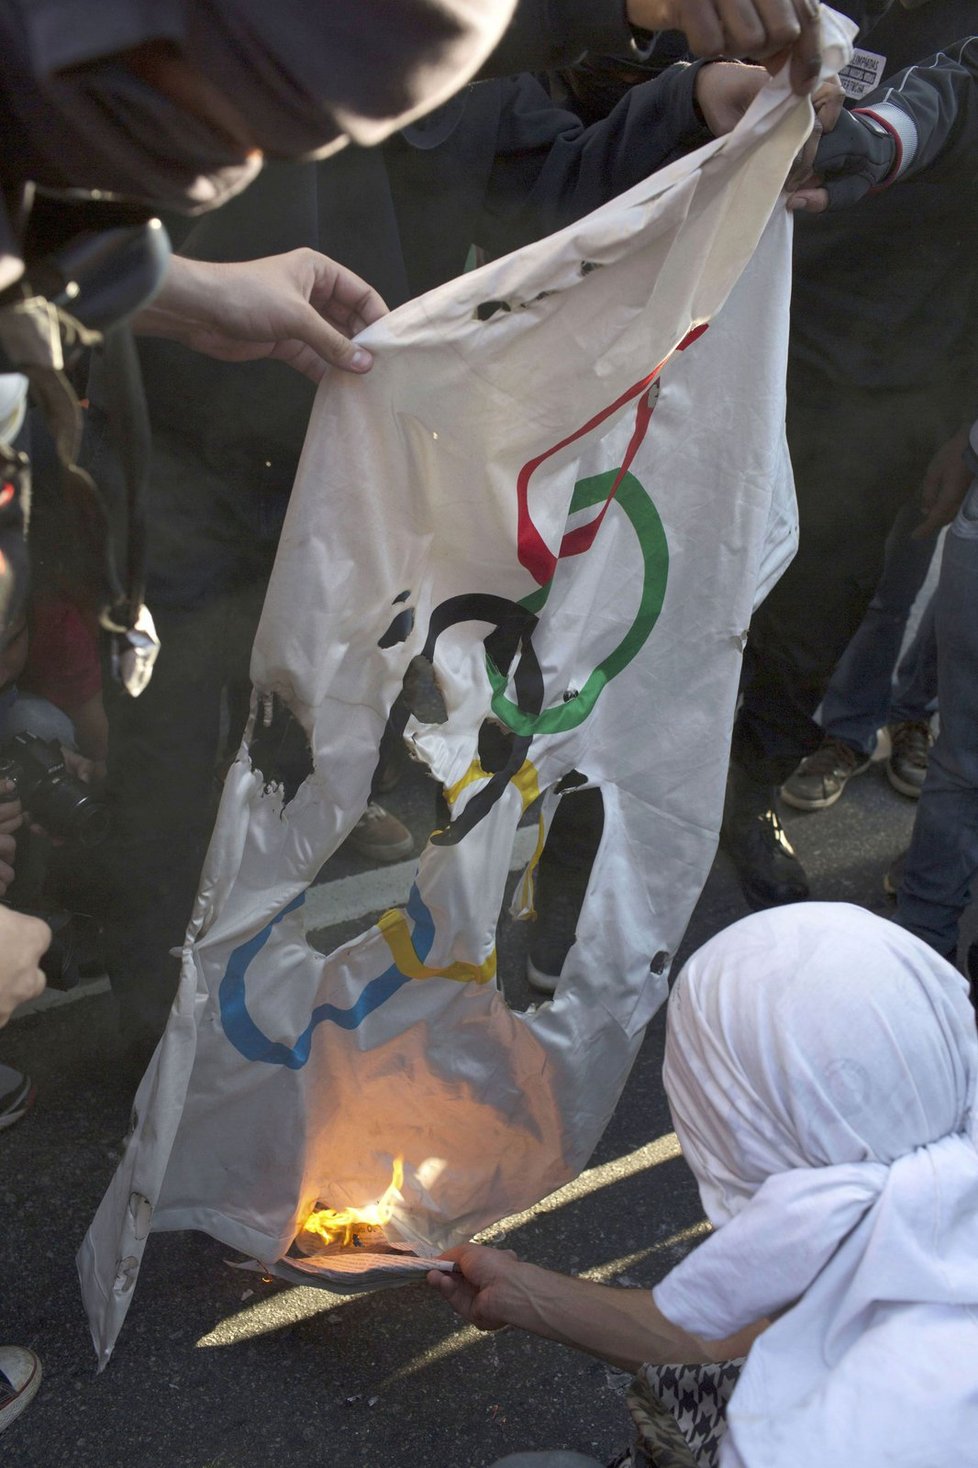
x=821, y=1067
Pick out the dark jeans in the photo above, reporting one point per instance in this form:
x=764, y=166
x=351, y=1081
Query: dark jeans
x=942, y=862
x=868, y=689
x=858, y=457
x=163, y=750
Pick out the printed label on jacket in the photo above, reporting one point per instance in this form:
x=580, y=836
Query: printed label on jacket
x=863, y=74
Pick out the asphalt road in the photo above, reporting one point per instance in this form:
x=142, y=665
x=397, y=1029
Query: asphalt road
x=217, y=1369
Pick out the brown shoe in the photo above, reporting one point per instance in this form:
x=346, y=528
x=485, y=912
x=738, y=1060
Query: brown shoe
x=906, y=768
x=381, y=836
x=821, y=777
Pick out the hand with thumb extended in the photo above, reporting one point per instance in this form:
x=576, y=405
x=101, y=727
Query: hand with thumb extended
x=858, y=155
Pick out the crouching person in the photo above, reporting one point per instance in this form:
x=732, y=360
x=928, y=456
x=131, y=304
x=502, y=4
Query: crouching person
x=821, y=1068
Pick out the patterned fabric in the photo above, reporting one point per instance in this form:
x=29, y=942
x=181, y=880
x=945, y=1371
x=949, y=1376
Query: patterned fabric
x=679, y=1414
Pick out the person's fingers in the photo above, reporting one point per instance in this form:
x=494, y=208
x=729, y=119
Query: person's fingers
x=744, y=29
x=782, y=24
x=806, y=53
x=76, y=764
x=455, y=1290
x=701, y=24
x=301, y=358
x=763, y=30
x=11, y=817
x=828, y=101
x=336, y=287
x=838, y=192
x=336, y=304
x=330, y=344
x=11, y=810
x=808, y=201
x=8, y=847
x=795, y=38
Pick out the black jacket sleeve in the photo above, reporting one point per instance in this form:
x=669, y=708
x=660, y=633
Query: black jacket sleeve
x=932, y=112
x=550, y=169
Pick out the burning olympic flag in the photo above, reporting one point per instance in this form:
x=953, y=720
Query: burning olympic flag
x=564, y=492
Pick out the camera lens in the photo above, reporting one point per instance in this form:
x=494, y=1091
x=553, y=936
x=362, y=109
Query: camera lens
x=66, y=809
x=90, y=821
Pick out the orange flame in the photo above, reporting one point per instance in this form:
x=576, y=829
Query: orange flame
x=338, y=1225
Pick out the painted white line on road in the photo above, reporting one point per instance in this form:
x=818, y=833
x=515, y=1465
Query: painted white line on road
x=57, y=998
x=326, y=906
x=332, y=903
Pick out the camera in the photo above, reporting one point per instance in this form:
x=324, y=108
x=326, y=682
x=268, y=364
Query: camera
x=56, y=800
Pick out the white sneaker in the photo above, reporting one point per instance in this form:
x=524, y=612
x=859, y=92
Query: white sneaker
x=16, y=1095
x=20, y=1377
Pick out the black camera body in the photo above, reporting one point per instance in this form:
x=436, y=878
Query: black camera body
x=55, y=799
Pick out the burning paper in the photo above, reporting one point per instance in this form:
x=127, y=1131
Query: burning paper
x=348, y=1250
x=327, y=1230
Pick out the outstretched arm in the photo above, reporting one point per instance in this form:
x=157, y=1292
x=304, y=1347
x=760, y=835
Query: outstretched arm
x=492, y=1288
x=545, y=34
x=923, y=116
x=550, y=170
x=301, y=308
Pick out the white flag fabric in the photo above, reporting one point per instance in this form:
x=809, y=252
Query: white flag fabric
x=569, y=496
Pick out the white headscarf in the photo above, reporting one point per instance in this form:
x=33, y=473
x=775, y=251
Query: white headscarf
x=821, y=1066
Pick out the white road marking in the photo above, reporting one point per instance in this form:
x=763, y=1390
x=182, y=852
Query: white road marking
x=332, y=903
x=327, y=905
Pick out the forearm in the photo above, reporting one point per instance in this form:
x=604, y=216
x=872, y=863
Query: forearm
x=182, y=300
x=551, y=170
x=932, y=110
x=299, y=307
x=623, y=1326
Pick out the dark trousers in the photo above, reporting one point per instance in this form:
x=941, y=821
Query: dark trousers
x=858, y=456
x=942, y=863
x=163, y=792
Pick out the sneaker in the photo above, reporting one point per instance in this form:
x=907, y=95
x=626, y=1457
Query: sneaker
x=906, y=768
x=20, y=1377
x=821, y=777
x=380, y=835
x=16, y=1095
x=893, y=876
x=753, y=837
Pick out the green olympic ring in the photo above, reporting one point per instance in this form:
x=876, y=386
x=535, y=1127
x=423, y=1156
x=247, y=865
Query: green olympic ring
x=646, y=523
